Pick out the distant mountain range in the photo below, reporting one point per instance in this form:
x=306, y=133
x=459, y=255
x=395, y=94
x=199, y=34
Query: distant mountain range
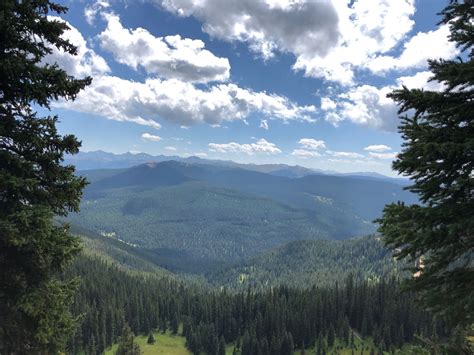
x=104, y=160
x=212, y=213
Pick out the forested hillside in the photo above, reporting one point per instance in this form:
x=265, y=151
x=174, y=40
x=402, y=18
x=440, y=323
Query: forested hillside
x=230, y=246
x=297, y=264
x=214, y=214
x=303, y=263
x=272, y=321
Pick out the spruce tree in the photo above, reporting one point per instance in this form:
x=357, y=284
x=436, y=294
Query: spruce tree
x=34, y=185
x=221, y=346
x=151, y=339
x=127, y=345
x=331, y=336
x=174, y=324
x=438, y=155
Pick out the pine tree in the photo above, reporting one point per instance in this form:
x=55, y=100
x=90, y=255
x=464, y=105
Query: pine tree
x=287, y=345
x=320, y=345
x=438, y=156
x=246, y=344
x=331, y=336
x=174, y=324
x=34, y=185
x=127, y=345
x=221, y=346
x=151, y=339
x=264, y=347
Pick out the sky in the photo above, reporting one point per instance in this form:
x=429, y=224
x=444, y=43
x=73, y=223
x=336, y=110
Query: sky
x=261, y=81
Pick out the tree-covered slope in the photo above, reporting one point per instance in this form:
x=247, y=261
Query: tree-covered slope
x=209, y=214
x=122, y=254
x=201, y=220
x=277, y=320
x=304, y=262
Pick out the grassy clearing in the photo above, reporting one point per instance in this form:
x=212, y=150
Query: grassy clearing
x=176, y=345
x=165, y=344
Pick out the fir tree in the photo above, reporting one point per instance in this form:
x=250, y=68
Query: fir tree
x=331, y=336
x=174, y=324
x=34, y=185
x=151, y=339
x=438, y=155
x=127, y=345
x=221, y=346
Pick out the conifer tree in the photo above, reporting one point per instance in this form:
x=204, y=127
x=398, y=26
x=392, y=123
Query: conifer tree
x=151, y=339
x=127, y=345
x=221, y=346
x=331, y=336
x=34, y=185
x=174, y=324
x=437, y=235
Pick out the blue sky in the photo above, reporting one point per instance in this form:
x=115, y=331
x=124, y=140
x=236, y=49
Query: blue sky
x=263, y=81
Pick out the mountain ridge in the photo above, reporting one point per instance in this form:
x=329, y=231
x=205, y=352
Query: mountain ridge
x=99, y=159
x=212, y=214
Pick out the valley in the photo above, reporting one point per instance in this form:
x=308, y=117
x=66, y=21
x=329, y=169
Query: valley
x=227, y=235
x=236, y=177
x=214, y=215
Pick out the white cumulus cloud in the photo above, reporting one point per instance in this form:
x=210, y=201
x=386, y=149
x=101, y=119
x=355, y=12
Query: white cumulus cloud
x=168, y=57
x=383, y=155
x=417, y=50
x=420, y=80
x=180, y=102
x=369, y=106
x=312, y=144
x=91, y=11
x=298, y=27
x=367, y=28
x=304, y=153
x=378, y=148
x=151, y=137
x=260, y=146
x=346, y=154
x=86, y=62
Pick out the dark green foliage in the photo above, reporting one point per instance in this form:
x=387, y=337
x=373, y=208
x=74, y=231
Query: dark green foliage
x=174, y=324
x=127, y=345
x=279, y=319
x=151, y=339
x=332, y=335
x=194, y=221
x=112, y=296
x=221, y=346
x=208, y=214
x=302, y=263
x=34, y=185
x=438, y=156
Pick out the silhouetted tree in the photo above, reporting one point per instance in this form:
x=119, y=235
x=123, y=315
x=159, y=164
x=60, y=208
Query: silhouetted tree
x=34, y=184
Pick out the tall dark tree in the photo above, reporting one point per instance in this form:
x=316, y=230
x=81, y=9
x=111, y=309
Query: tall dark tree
x=221, y=346
x=34, y=186
x=151, y=339
x=331, y=336
x=127, y=345
x=437, y=127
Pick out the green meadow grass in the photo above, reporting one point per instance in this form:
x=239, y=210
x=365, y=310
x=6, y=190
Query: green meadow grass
x=164, y=344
